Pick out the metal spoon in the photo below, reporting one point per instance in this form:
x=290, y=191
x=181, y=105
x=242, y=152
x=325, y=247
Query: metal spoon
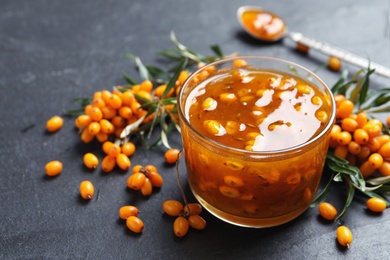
x=270, y=27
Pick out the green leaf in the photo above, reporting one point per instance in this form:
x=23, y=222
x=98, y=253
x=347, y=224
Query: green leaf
x=217, y=50
x=143, y=71
x=350, y=195
x=172, y=81
x=365, y=86
x=375, y=195
x=323, y=193
x=128, y=79
x=378, y=180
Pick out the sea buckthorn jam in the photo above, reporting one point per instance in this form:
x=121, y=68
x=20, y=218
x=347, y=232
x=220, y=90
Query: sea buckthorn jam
x=255, y=142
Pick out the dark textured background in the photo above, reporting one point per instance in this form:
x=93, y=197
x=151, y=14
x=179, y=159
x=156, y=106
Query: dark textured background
x=54, y=51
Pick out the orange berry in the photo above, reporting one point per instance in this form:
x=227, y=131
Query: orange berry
x=385, y=169
x=94, y=128
x=102, y=137
x=54, y=124
x=106, y=126
x=128, y=98
x=366, y=169
x=87, y=109
x=135, y=224
x=385, y=150
x=354, y=148
x=361, y=119
x=86, y=137
x=197, y=222
x=344, y=236
x=136, y=181
x=137, y=168
x=108, y=163
x=360, y=136
x=171, y=155
x=147, y=188
x=86, y=190
x=108, y=112
x=98, y=103
x=364, y=153
x=373, y=130
x=344, y=138
x=376, y=160
x=123, y=161
x=327, y=211
x=53, y=168
x=192, y=209
x=376, y=204
x=341, y=151
x=146, y=85
x=128, y=148
x=106, y=95
x=151, y=168
x=144, y=94
x=180, y=226
x=127, y=211
x=90, y=160
x=349, y=124
x=118, y=121
x=172, y=207
x=83, y=120
x=114, y=150
x=125, y=112
x=155, y=178
x=344, y=109
x=96, y=114
x=106, y=147
x=239, y=63
x=334, y=63
x=115, y=101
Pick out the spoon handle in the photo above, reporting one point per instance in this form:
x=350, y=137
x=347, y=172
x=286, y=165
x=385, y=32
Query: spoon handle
x=339, y=53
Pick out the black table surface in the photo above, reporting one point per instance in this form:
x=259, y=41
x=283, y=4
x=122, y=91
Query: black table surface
x=54, y=51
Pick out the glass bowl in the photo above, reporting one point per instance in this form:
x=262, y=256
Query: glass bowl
x=282, y=114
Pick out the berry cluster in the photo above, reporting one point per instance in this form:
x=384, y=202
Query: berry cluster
x=144, y=179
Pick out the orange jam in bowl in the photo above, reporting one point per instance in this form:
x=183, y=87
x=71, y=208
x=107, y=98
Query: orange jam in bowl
x=255, y=138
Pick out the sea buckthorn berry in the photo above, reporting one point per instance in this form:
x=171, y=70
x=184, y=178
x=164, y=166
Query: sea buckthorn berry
x=155, y=178
x=135, y=224
x=106, y=126
x=364, y=153
x=383, y=139
x=180, y=226
x=197, y=222
x=373, y=144
x=172, y=207
x=114, y=150
x=376, y=204
x=327, y=211
x=376, y=121
x=96, y=114
x=106, y=96
x=98, y=103
x=123, y=161
x=385, y=150
x=118, y=121
x=385, y=169
x=338, y=98
x=144, y=94
x=366, y=169
x=334, y=132
x=137, y=181
x=151, y=168
x=86, y=190
x=233, y=181
x=213, y=127
x=54, y=124
x=228, y=191
x=376, y=160
x=322, y=116
x=108, y=112
x=360, y=136
x=334, y=63
x=53, y=168
x=106, y=147
x=349, y=124
x=354, y=148
x=344, y=109
x=361, y=119
x=344, y=236
x=115, y=101
x=239, y=63
x=90, y=160
x=171, y=155
x=227, y=97
x=128, y=148
x=94, y=128
x=192, y=209
x=128, y=98
x=87, y=109
x=146, y=85
x=127, y=211
x=147, y=188
x=352, y=159
x=388, y=121
x=97, y=95
x=344, y=138
x=125, y=112
x=102, y=137
x=137, y=168
x=108, y=163
x=341, y=151
x=373, y=130
x=83, y=120
x=86, y=137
